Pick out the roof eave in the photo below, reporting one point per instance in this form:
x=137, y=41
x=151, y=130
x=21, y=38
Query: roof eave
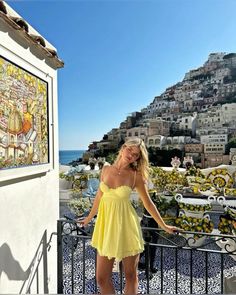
x=49, y=54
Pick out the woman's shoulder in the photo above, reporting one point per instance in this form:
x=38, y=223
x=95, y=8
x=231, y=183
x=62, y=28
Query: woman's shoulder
x=105, y=169
x=139, y=176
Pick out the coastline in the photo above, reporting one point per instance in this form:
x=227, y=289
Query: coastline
x=63, y=167
x=69, y=156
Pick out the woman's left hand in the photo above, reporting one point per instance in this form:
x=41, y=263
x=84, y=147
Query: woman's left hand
x=83, y=222
x=172, y=229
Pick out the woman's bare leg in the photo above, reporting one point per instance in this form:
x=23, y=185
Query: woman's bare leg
x=131, y=278
x=104, y=273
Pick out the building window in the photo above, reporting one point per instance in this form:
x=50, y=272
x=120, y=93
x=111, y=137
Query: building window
x=150, y=141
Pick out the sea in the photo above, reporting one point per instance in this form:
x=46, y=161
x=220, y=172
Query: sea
x=67, y=156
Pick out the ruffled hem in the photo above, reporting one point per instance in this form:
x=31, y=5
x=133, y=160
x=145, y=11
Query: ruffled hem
x=118, y=258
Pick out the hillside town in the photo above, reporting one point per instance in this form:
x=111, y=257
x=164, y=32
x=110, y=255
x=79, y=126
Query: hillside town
x=196, y=116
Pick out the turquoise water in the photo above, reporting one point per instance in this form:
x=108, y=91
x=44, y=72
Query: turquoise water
x=65, y=157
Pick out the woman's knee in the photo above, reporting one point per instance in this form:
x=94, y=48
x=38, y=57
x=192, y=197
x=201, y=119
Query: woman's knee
x=131, y=275
x=102, y=279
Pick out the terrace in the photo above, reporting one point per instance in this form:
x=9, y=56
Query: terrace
x=200, y=260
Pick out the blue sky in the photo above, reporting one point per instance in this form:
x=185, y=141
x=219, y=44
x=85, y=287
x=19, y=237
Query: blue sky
x=120, y=54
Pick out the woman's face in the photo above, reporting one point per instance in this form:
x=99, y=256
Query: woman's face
x=131, y=153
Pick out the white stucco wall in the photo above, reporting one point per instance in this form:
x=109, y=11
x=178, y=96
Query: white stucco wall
x=29, y=206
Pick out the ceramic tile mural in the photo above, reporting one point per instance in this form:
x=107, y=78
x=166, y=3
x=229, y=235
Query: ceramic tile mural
x=23, y=117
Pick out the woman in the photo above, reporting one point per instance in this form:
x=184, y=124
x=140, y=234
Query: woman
x=117, y=234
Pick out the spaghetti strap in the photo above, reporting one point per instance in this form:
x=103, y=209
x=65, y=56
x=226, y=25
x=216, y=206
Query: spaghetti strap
x=102, y=173
x=133, y=186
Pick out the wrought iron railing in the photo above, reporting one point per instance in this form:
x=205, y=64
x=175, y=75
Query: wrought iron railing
x=185, y=263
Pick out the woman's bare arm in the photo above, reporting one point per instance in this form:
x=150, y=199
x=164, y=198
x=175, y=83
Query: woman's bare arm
x=96, y=202
x=94, y=209
x=150, y=206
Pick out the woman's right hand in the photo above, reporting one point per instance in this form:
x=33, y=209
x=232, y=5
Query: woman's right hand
x=172, y=229
x=83, y=222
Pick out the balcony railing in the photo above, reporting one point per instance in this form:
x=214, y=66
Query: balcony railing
x=187, y=263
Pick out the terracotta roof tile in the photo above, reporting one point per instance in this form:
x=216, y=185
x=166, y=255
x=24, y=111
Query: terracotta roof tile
x=52, y=51
x=38, y=39
x=20, y=22
x=3, y=7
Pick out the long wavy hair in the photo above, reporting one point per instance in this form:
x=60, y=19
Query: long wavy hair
x=142, y=163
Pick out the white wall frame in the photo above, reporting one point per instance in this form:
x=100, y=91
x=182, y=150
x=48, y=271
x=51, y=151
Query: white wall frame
x=13, y=173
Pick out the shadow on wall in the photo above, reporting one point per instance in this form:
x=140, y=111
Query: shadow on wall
x=35, y=275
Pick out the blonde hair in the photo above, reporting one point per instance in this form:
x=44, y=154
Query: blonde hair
x=142, y=162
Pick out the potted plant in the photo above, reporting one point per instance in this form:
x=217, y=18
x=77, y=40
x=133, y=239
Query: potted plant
x=80, y=206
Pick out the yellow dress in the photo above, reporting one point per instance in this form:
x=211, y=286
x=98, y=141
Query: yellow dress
x=117, y=232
